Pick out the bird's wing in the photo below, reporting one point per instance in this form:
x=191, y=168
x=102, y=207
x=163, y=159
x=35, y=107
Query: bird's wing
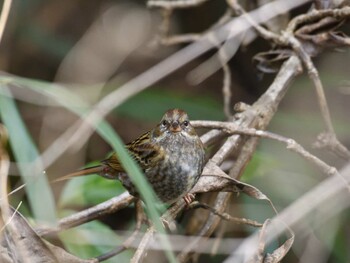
x=142, y=150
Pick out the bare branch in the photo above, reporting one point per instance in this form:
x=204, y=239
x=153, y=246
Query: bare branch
x=241, y=132
x=141, y=250
x=81, y=130
x=226, y=87
x=177, y=4
x=266, y=107
x=4, y=16
x=225, y=216
x=179, y=39
x=290, y=143
x=105, y=208
x=330, y=191
x=7, y=219
x=127, y=243
x=315, y=15
x=288, y=39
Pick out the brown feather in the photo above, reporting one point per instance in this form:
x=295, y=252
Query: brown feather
x=87, y=171
x=171, y=156
x=141, y=150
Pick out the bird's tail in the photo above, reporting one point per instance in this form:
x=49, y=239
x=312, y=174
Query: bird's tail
x=87, y=171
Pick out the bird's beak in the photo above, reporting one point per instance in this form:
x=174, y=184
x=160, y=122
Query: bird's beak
x=175, y=127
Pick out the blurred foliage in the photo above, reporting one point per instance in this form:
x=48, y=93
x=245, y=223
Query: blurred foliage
x=86, y=191
x=93, y=239
x=46, y=41
x=63, y=97
x=196, y=106
x=26, y=154
x=42, y=33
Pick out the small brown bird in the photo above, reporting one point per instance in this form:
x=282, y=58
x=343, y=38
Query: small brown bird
x=171, y=156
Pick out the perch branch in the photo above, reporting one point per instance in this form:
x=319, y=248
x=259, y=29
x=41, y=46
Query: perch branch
x=291, y=144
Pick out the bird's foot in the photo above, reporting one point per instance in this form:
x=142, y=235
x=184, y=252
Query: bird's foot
x=188, y=198
x=169, y=225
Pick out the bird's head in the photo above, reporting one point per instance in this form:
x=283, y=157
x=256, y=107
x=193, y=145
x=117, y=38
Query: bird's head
x=175, y=121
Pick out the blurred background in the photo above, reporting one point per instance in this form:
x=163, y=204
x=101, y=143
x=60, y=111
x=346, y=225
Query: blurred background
x=93, y=47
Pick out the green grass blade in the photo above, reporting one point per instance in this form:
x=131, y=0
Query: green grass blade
x=25, y=152
x=93, y=239
x=144, y=188
x=61, y=95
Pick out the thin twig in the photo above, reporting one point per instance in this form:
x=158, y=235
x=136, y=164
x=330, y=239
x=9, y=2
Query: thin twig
x=288, y=39
x=177, y=4
x=4, y=167
x=180, y=39
x=167, y=39
x=226, y=87
x=329, y=191
x=4, y=158
x=126, y=244
x=167, y=217
x=82, y=129
x=13, y=215
x=141, y=250
x=266, y=106
x=268, y=35
x=314, y=15
x=165, y=25
x=328, y=141
x=207, y=229
x=198, y=75
x=290, y=143
x=225, y=216
x=21, y=252
x=315, y=78
x=4, y=16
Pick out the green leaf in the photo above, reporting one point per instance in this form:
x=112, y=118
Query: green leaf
x=89, y=190
x=138, y=179
x=26, y=154
x=261, y=163
x=93, y=239
x=197, y=107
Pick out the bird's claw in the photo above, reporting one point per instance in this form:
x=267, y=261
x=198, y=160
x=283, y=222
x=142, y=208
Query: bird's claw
x=188, y=198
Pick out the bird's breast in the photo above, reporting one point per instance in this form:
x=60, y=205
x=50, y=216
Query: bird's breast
x=179, y=168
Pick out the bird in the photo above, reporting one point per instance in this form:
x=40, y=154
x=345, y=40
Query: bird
x=171, y=156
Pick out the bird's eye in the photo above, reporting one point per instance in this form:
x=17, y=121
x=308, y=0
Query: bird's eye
x=186, y=123
x=164, y=123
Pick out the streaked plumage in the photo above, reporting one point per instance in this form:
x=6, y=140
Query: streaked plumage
x=171, y=157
